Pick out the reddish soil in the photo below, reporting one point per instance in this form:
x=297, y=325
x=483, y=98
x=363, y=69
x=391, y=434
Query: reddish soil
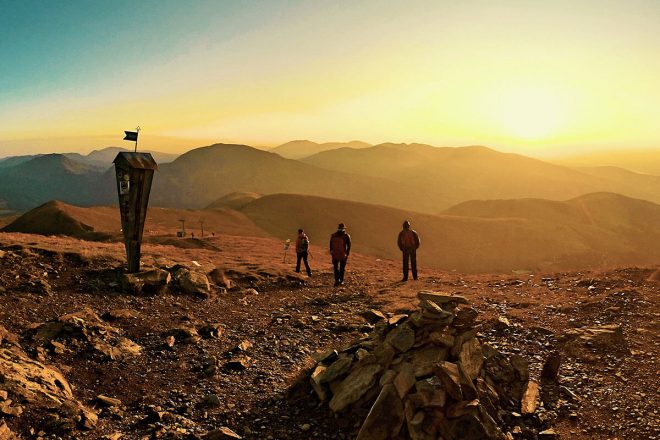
x=292, y=317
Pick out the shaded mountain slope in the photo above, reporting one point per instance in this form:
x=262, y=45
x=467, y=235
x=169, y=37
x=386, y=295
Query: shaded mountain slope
x=472, y=243
x=201, y=176
x=47, y=177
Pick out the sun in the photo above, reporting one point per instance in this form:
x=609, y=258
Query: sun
x=529, y=113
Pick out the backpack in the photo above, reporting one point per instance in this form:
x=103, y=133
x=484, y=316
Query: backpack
x=304, y=244
x=338, y=245
x=408, y=239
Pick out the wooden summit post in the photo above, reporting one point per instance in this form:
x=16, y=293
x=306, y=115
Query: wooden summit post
x=134, y=173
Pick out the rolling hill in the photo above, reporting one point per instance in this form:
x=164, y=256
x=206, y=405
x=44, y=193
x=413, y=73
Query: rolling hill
x=303, y=148
x=236, y=200
x=201, y=176
x=58, y=218
x=454, y=175
x=102, y=222
x=497, y=236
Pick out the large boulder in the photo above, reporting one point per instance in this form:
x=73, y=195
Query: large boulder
x=190, y=281
x=605, y=338
x=150, y=282
x=29, y=382
x=85, y=329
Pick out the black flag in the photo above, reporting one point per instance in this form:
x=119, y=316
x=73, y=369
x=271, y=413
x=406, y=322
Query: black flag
x=131, y=136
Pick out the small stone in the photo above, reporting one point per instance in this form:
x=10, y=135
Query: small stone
x=338, y=368
x=239, y=363
x=405, y=380
x=402, y=338
x=212, y=401
x=440, y=298
x=315, y=380
x=530, y=400
x=222, y=433
x=372, y=316
x=108, y=401
x=305, y=427
x=548, y=434
x=396, y=319
x=354, y=386
x=243, y=346
x=449, y=375
x=385, y=418
x=502, y=323
x=550, y=370
x=471, y=358
x=462, y=408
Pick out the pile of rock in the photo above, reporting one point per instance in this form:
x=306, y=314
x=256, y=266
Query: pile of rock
x=82, y=330
x=428, y=376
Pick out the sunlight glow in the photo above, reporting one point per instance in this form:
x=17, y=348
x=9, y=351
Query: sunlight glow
x=531, y=113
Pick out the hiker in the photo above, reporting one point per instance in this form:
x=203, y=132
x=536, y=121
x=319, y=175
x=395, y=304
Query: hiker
x=408, y=243
x=302, y=250
x=340, y=248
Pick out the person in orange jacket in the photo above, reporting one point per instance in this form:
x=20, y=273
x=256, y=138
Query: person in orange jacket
x=340, y=248
x=408, y=242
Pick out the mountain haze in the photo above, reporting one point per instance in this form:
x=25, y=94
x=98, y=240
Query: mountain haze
x=303, y=148
x=452, y=175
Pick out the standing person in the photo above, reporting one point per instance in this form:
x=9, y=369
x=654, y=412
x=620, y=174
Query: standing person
x=340, y=248
x=408, y=243
x=302, y=250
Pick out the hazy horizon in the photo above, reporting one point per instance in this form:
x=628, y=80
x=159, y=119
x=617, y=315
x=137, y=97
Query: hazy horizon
x=527, y=77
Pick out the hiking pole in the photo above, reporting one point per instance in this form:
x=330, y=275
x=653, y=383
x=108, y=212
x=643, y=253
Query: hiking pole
x=287, y=243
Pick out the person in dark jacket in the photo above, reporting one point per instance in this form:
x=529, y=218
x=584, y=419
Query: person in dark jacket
x=302, y=250
x=340, y=248
x=408, y=242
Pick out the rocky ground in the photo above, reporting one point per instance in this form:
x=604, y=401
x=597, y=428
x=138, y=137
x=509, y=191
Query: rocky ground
x=171, y=363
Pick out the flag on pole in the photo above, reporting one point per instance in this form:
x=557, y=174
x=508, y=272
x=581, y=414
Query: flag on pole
x=131, y=136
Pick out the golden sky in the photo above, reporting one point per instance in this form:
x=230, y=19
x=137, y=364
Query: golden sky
x=535, y=77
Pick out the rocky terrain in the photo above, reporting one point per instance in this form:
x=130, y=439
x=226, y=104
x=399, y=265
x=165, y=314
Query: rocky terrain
x=225, y=341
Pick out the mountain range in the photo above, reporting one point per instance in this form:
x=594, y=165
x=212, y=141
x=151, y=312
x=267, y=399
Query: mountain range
x=413, y=177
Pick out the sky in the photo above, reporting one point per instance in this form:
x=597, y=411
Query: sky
x=533, y=77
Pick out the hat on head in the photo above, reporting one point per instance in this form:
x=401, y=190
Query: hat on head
x=341, y=226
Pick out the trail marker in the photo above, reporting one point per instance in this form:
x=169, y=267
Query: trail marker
x=134, y=173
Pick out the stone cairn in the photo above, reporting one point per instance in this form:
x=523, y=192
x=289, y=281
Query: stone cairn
x=427, y=376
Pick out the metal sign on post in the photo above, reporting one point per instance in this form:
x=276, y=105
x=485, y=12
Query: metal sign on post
x=134, y=173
